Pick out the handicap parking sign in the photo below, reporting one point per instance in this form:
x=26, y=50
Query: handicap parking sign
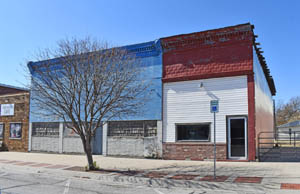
x=214, y=106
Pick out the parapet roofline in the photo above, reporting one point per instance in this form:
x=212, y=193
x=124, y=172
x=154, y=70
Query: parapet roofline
x=208, y=31
x=14, y=87
x=264, y=65
x=221, y=31
x=145, y=49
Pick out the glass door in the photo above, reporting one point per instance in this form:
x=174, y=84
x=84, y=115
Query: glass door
x=237, y=137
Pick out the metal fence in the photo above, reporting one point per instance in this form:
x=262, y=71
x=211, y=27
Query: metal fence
x=280, y=146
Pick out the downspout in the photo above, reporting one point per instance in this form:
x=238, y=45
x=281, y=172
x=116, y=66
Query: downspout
x=274, y=119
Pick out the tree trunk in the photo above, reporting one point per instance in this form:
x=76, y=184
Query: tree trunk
x=88, y=152
x=90, y=156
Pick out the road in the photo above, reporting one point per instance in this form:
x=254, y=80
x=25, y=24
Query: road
x=19, y=182
x=22, y=180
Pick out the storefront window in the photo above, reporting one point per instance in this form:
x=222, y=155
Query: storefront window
x=1, y=130
x=193, y=132
x=15, y=130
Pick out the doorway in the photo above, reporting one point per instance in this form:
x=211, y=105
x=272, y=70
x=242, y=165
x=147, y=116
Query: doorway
x=237, y=138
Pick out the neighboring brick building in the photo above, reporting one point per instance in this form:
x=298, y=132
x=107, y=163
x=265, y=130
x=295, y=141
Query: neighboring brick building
x=222, y=64
x=14, y=117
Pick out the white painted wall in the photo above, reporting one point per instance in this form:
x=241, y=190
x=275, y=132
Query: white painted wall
x=286, y=129
x=264, y=120
x=284, y=132
x=62, y=144
x=72, y=145
x=125, y=146
x=186, y=102
x=45, y=144
x=104, y=140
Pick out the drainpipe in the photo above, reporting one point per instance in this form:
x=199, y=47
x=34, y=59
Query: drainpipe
x=274, y=119
x=29, y=137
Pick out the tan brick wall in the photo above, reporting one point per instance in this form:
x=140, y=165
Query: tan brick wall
x=21, y=115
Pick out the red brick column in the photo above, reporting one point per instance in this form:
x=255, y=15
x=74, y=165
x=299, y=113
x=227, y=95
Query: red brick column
x=251, y=118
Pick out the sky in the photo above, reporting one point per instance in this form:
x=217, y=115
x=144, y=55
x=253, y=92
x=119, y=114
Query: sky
x=31, y=25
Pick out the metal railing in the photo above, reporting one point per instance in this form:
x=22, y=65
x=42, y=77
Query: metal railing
x=279, y=146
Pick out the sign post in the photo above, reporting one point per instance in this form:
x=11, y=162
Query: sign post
x=214, y=108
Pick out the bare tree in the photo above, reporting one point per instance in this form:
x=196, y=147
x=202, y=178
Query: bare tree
x=288, y=112
x=86, y=83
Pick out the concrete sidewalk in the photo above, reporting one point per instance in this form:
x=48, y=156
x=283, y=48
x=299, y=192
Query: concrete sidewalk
x=255, y=168
x=103, y=162
x=165, y=172
x=225, y=168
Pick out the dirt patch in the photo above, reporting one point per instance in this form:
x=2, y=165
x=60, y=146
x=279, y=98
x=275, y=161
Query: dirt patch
x=106, y=171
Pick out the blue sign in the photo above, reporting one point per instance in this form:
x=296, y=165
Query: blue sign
x=214, y=106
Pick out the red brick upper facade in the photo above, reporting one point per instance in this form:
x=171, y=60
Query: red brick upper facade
x=214, y=53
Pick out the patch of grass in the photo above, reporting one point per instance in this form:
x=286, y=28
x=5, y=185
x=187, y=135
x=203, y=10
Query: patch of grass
x=96, y=166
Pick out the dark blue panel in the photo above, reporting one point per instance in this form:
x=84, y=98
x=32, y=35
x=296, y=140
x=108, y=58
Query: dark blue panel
x=150, y=59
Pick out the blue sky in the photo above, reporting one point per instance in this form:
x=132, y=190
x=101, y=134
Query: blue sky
x=27, y=26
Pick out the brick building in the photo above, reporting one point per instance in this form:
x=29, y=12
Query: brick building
x=187, y=72
x=14, y=118
x=225, y=65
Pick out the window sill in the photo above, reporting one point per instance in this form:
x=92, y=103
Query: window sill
x=199, y=141
x=15, y=138
x=46, y=136
x=194, y=143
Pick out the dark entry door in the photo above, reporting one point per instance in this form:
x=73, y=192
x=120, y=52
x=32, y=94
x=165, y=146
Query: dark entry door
x=237, y=137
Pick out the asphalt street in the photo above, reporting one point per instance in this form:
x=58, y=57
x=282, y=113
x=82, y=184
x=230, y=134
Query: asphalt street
x=18, y=181
x=24, y=173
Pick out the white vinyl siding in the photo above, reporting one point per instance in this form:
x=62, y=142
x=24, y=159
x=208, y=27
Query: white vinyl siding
x=187, y=102
x=264, y=120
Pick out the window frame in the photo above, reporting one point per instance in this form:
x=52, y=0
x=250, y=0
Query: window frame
x=203, y=123
x=3, y=132
x=17, y=138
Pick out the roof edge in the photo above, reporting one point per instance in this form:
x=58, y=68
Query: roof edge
x=206, y=31
x=14, y=87
x=263, y=64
